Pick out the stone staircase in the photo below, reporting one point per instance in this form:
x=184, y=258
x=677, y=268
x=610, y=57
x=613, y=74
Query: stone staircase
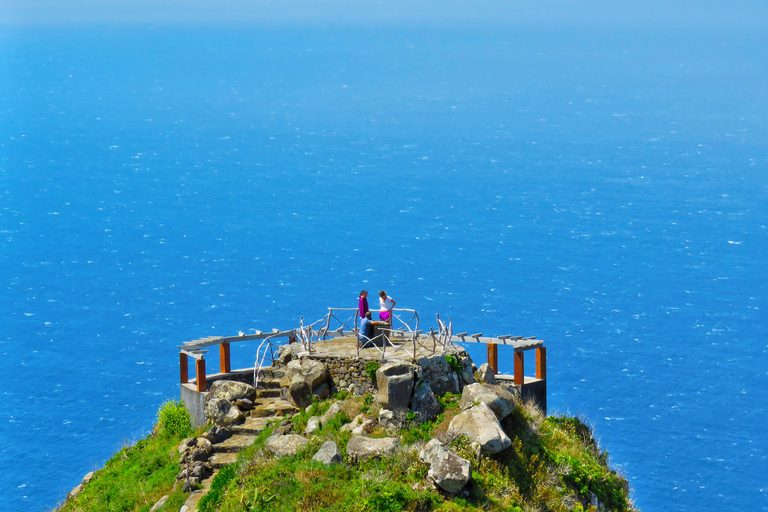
x=268, y=406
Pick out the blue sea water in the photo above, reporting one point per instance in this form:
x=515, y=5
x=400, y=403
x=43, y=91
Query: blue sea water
x=604, y=189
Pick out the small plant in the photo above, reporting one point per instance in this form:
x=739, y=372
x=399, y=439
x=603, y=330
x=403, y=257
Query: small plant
x=173, y=419
x=455, y=363
x=370, y=369
x=449, y=401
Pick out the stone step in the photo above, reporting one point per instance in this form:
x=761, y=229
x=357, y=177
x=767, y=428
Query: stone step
x=273, y=407
x=195, y=496
x=268, y=393
x=235, y=443
x=222, y=459
x=252, y=426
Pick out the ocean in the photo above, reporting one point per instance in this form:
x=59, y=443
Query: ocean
x=603, y=188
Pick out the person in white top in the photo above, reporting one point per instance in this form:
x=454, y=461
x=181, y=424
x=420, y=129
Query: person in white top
x=385, y=307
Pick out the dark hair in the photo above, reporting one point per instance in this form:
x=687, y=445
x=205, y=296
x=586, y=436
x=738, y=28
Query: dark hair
x=382, y=293
x=367, y=314
x=362, y=292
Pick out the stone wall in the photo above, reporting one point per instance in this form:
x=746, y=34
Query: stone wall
x=346, y=372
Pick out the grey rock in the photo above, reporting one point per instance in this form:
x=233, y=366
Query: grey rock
x=244, y=404
x=231, y=391
x=485, y=374
x=424, y=403
x=323, y=391
x=501, y=401
x=161, y=502
x=328, y=454
x=299, y=393
x=360, y=448
x=467, y=372
x=391, y=420
x=440, y=377
x=395, y=383
x=312, y=372
x=313, y=425
x=221, y=412
x=447, y=470
x=479, y=424
x=285, y=446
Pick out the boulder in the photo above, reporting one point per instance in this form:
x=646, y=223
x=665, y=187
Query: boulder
x=485, y=374
x=424, y=403
x=231, y=390
x=447, y=470
x=221, y=412
x=501, y=401
x=391, y=420
x=298, y=393
x=361, y=448
x=313, y=372
x=441, y=377
x=285, y=446
x=479, y=425
x=313, y=425
x=395, y=383
x=323, y=391
x=467, y=372
x=328, y=454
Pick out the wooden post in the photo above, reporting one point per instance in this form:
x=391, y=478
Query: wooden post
x=183, y=368
x=493, y=357
x=224, y=358
x=200, y=370
x=519, y=376
x=541, y=363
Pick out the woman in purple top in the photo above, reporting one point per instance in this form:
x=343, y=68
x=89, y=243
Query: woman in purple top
x=362, y=304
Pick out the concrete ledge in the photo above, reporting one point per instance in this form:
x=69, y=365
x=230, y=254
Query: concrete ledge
x=195, y=403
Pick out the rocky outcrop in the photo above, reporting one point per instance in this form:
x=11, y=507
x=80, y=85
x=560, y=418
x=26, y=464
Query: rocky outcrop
x=485, y=374
x=501, y=401
x=436, y=372
x=424, y=403
x=447, y=470
x=479, y=425
x=303, y=379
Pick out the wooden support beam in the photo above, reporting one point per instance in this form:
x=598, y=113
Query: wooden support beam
x=224, y=360
x=183, y=368
x=493, y=357
x=519, y=372
x=541, y=363
x=200, y=374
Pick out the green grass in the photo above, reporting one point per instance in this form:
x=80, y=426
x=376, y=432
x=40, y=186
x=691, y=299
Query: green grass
x=134, y=479
x=553, y=464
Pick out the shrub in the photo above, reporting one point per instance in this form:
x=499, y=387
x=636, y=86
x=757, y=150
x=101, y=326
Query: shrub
x=173, y=419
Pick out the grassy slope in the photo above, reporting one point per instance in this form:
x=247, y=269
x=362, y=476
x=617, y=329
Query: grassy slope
x=553, y=464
